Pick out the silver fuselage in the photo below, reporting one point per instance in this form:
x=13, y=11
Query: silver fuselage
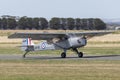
x=73, y=42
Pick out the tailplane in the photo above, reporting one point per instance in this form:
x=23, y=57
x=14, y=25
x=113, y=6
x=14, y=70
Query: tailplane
x=27, y=45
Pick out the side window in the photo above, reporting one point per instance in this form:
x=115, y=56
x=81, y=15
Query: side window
x=79, y=41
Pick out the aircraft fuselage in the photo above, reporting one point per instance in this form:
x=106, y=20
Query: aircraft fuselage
x=73, y=42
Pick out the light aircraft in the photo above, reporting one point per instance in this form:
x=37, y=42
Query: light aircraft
x=56, y=41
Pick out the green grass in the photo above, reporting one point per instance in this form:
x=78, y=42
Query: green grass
x=86, y=50
x=10, y=50
x=63, y=69
x=101, y=50
x=59, y=70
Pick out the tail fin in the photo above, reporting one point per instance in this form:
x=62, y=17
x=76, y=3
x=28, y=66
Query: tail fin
x=26, y=43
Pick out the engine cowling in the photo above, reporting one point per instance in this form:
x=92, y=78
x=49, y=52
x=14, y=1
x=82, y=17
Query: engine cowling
x=77, y=41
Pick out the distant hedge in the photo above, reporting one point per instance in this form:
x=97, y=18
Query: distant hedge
x=28, y=23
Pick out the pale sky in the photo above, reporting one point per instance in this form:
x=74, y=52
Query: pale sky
x=61, y=8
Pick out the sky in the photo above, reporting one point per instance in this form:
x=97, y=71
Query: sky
x=61, y=8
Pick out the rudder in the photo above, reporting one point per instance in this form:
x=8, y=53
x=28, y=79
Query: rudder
x=26, y=44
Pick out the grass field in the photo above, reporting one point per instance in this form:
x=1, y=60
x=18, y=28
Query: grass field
x=86, y=50
x=59, y=70
x=78, y=69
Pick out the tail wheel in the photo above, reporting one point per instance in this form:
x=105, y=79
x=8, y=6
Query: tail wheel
x=63, y=55
x=80, y=54
x=25, y=54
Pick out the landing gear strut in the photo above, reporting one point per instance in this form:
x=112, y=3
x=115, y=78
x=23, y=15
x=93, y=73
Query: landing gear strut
x=80, y=54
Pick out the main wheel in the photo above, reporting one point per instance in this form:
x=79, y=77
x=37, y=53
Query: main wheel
x=63, y=55
x=80, y=54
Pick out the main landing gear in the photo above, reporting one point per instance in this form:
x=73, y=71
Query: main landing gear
x=80, y=54
x=63, y=55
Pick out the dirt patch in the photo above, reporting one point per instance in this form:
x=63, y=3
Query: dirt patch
x=106, y=38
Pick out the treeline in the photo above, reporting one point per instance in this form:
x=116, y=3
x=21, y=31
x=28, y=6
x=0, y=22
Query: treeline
x=55, y=23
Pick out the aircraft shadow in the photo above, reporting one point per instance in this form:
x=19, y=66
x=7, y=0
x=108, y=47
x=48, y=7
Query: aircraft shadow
x=43, y=58
x=100, y=56
x=70, y=57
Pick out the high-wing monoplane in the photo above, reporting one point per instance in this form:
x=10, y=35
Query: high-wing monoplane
x=56, y=41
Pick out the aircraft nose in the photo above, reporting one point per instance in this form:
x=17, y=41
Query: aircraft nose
x=79, y=41
x=82, y=41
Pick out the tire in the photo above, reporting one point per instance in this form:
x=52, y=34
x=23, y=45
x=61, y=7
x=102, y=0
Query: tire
x=63, y=55
x=80, y=54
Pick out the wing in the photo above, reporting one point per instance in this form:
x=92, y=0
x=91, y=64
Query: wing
x=93, y=33
x=37, y=36
x=50, y=36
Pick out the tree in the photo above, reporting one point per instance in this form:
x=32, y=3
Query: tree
x=91, y=24
x=99, y=24
x=11, y=23
x=85, y=24
x=22, y=23
x=78, y=24
x=4, y=23
x=63, y=23
x=29, y=23
x=0, y=24
x=70, y=23
x=36, y=23
x=43, y=23
x=55, y=23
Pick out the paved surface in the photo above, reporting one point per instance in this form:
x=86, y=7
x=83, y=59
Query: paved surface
x=57, y=57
